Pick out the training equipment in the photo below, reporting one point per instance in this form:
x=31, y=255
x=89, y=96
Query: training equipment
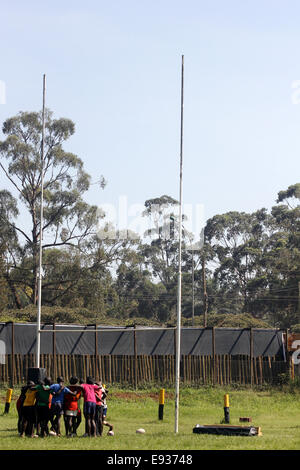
x=161, y=404
x=8, y=400
x=110, y=433
x=223, y=429
x=226, y=409
x=140, y=431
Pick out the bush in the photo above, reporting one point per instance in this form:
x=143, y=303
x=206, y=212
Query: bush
x=85, y=316
x=51, y=314
x=295, y=328
x=243, y=320
x=81, y=316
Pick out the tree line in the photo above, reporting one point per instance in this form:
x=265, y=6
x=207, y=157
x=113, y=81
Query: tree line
x=243, y=270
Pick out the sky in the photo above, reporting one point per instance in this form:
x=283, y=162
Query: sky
x=114, y=68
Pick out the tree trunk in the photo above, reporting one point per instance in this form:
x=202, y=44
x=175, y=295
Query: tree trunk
x=13, y=290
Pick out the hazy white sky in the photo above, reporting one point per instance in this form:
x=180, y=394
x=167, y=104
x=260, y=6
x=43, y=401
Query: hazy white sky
x=114, y=69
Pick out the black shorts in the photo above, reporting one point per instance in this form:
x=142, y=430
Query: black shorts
x=28, y=413
x=89, y=409
x=57, y=409
x=43, y=413
x=99, y=412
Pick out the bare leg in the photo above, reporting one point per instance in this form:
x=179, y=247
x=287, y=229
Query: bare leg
x=58, y=424
x=68, y=424
x=88, y=425
x=23, y=428
x=77, y=422
x=106, y=423
x=93, y=427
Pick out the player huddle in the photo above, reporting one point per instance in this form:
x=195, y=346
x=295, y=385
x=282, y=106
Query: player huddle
x=46, y=403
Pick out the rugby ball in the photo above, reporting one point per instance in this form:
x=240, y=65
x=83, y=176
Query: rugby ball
x=110, y=433
x=140, y=431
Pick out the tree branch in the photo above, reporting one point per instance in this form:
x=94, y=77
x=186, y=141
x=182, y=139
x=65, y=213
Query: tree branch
x=10, y=179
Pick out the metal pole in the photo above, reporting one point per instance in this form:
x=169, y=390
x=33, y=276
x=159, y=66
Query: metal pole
x=299, y=300
x=213, y=337
x=135, y=358
x=38, y=333
x=178, y=332
x=251, y=356
x=288, y=361
x=193, y=289
x=205, y=300
x=54, y=350
x=12, y=354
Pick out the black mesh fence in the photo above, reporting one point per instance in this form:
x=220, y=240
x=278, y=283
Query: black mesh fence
x=20, y=338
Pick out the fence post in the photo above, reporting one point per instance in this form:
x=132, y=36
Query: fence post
x=109, y=369
x=12, y=353
x=96, y=338
x=174, y=356
x=251, y=356
x=214, y=353
x=287, y=353
x=54, y=350
x=11, y=367
x=98, y=358
x=135, y=356
x=96, y=350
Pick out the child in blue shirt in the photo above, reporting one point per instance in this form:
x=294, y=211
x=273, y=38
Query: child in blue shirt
x=58, y=392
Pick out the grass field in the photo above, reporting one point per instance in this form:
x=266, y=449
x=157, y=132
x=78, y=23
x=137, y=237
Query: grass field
x=277, y=412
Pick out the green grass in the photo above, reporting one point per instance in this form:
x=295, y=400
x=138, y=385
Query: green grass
x=277, y=412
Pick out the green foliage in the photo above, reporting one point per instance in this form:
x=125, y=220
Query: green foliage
x=82, y=316
x=243, y=320
x=295, y=328
x=228, y=320
x=257, y=260
x=51, y=314
x=246, y=274
x=67, y=218
x=4, y=289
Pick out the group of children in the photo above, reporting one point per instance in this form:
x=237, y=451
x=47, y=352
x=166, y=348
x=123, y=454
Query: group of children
x=45, y=403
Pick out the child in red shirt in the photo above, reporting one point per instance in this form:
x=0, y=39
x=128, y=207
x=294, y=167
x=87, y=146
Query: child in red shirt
x=71, y=411
x=99, y=410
